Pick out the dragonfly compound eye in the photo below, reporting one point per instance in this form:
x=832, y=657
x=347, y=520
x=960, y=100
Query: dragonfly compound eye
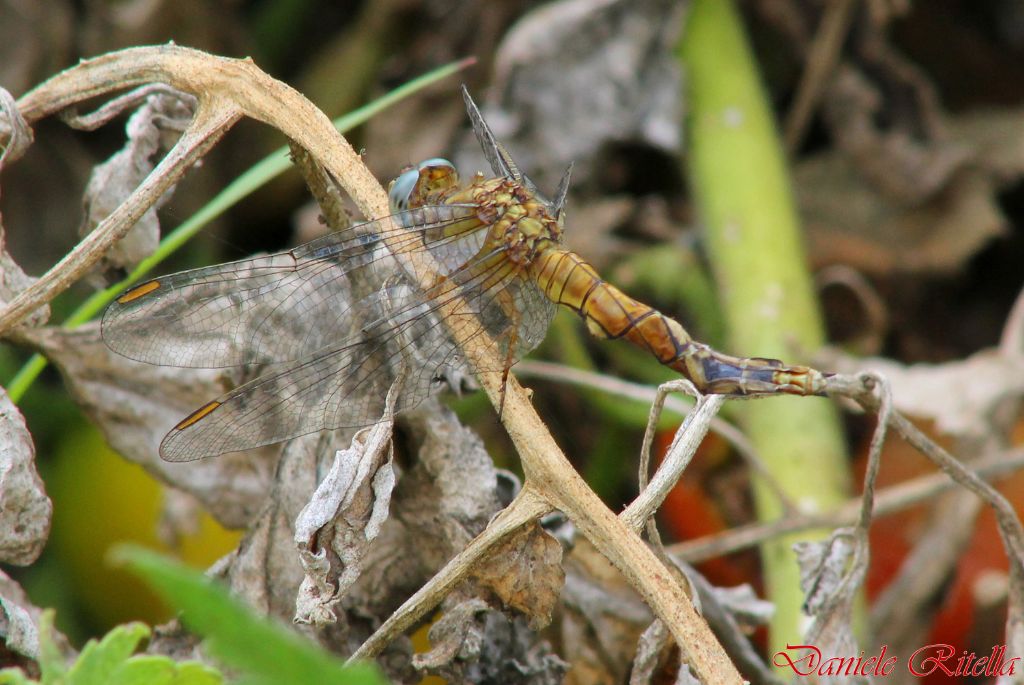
x=436, y=162
x=401, y=188
x=423, y=181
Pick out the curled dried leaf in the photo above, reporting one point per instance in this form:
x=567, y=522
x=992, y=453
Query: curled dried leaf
x=20, y=625
x=473, y=643
x=341, y=520
x=453, y=490
x=26, y=511
x=649, y=654
x=574, y=75
x=15, y=137
x=823, y=565
x=747, y=609
x=19, y=631
x=13, y=280
x=151, y=130
x=15, y=134
x=831, y=572
x=602, y=618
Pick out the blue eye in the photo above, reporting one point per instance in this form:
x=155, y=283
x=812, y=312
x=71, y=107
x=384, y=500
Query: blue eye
x=403, y=186
x=401, y=189
x=435, y=161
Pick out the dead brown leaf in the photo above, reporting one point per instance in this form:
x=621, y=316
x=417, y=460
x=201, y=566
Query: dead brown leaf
x=849, y=223
x=15, y=138
x=829, y=594
x=20, y=623
x=135, y=404
x=472, y=643
x=525, y=572
x=342, y=519
x=907, y=188
x=602, y=619
x=26, y=512
x=151, y=130
x=651, y=654
x=573, y=75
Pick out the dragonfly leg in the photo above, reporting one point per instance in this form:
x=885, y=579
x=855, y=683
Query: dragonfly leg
x=511, y=336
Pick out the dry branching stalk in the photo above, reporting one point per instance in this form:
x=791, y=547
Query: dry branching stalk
x=227, y=90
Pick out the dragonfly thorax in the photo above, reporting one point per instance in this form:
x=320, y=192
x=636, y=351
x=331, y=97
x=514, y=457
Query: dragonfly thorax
x=521, y=224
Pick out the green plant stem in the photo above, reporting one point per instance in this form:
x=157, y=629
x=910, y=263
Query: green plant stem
x=257, y=176
x=741, y=185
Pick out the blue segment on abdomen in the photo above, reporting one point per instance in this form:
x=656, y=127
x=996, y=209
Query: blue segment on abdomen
x=714, y=368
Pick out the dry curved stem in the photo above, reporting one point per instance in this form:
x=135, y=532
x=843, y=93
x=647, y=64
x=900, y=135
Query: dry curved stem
x=526, y=507
x=227, y=89
x=1010, y=530
x=1009, y=525
x=822, y=58
x=114, y=108
x=650, y=395
x=677, y=457
x=211, y=121
x=890, y=500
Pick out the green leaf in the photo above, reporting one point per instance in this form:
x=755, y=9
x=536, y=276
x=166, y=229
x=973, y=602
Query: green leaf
x=160, y=670
x=110, y=661
x=13, y=676
x=267, y=652
x=51, y=661
x=99, y=660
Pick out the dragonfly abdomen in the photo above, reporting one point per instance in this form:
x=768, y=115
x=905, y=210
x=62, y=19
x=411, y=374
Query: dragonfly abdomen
x=567, y=279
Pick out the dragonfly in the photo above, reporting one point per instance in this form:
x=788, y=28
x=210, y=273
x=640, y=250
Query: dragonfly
x=333, y=323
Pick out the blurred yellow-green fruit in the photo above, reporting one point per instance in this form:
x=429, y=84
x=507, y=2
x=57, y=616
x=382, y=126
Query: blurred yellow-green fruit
x=101, y=500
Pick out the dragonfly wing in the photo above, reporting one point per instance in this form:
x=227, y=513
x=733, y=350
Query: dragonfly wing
x=278, y=307
x=497, y=156
x=401, y=335
x=501, y=163
x=343, y=386
x=505, y=304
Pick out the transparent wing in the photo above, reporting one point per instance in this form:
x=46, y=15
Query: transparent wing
x=279, y=307
x=336, y=320
x=497, y=156
x=345, y=384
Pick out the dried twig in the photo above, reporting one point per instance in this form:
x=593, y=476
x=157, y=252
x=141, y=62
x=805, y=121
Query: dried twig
x=678, y=455
x=114, y=108
x=229, y=89
x=526, y=507
x=821, y=60
x=650, y=395
x=212, y=120
x=890, y=500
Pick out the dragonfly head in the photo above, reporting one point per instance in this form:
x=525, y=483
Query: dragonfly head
x=414, y=185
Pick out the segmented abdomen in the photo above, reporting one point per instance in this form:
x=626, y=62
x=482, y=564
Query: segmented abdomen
x=567, y=279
